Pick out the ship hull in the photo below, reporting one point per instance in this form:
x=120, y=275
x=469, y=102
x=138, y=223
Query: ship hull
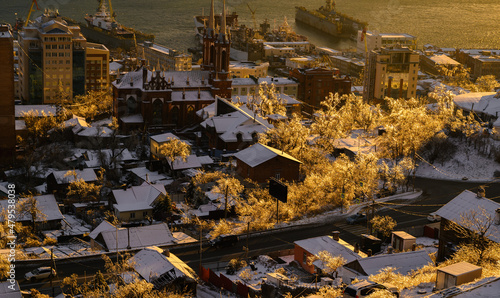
x=109, y=39
x=342, y=28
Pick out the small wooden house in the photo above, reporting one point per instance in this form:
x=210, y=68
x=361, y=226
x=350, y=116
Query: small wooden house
x=402, y=241
x=457, y=274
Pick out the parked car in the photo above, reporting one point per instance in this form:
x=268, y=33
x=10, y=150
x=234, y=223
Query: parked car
x=365, y=288
x=433, y=217
x=224, y=241
x=40, y=273
x=356, y=218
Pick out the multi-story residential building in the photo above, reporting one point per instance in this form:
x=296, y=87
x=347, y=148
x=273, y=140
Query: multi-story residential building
x=245, y=86
x=168, y=59
x=391, y=72
x=245, y=69
x=481, y=62
x=7, y=120
x=97, y=67
x=376, y=40
x=315, y=84
x=348, y=66
x=52, y=61
x=432, y=63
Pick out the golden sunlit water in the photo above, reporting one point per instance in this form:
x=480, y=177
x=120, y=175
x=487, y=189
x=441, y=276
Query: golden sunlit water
x=447, y=23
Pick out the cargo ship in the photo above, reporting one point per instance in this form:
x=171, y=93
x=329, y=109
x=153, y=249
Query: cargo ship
x=103, y=28
x=330, y=21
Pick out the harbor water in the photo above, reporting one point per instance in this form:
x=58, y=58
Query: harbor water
x=446, y=23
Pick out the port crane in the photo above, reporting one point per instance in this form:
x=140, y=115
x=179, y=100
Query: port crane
x=253, y=17
x=33, y=3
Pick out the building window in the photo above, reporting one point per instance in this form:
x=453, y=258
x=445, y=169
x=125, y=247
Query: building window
x=157, y=112
x=144, y=214
x=304, y=258
x=132, y=215
x=277, y=175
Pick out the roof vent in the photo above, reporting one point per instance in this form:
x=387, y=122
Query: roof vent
x=481, y=193
x=336, y=235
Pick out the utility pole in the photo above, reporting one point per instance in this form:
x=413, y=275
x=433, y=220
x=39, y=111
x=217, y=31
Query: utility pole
x=201, y=246
x=248, y=235
x=225, y=199
x=373, y=215
x=52, y=269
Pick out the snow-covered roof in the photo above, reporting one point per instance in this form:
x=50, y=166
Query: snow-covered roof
x=483, y=102
x=20, y=125
x=8, y=290
x=93, y=157
x=151, y=264
x=63, y=177
x=327, y=243
x=403, y=262
x=181, y=79
x=258, y=154
x=205, y=160
x=443, y=60
x=164, y=137
x=102, y=132
x=191, y=162
x=140, y=237
x=47, y=205
x=77, y=124
x=148, y=175
x=137, y=197
x=356, y=144
x=103, y=226
x=136, y=118
x=20, y=110
x=469, y=203
x=287, y=99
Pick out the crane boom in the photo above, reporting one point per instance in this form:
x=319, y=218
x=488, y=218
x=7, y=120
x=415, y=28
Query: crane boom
x=33, y=3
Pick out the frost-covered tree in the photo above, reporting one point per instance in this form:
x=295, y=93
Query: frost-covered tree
x=329, y=263
x=383, y=224
x=173, y=150
x=288, y=136
x=230, y=188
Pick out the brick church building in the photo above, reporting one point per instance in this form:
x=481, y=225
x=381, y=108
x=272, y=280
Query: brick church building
x=163, y=100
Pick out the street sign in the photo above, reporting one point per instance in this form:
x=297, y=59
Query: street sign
x=278, y=190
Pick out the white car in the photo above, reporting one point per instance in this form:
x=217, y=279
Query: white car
x=40, y=273
x=433, y=217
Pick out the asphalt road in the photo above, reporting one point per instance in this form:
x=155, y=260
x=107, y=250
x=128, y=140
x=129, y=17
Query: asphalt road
x=435, y=194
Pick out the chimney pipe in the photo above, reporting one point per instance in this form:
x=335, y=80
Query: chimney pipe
x=356, y=247
x=369, y=252
x=497, y=216
x=481, y=193
x=414, y=247
x=166, y=252
x=390, y=250
x=336, y=235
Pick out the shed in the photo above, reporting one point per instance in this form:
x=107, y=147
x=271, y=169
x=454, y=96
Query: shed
x=402, y=241
x=457, y=274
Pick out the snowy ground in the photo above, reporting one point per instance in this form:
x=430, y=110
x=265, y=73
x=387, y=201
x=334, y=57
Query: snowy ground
x=465, y=163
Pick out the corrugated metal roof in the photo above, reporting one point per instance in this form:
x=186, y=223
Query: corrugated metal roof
x=459, y=268
x=469, y=202
x=403, y=262
x=326, y=243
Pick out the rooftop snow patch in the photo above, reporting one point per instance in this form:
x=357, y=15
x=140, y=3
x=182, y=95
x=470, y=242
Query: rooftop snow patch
x=327, y=243
x=469, y=203
x=47, y=205
x=403, y=263
x=258, y=154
